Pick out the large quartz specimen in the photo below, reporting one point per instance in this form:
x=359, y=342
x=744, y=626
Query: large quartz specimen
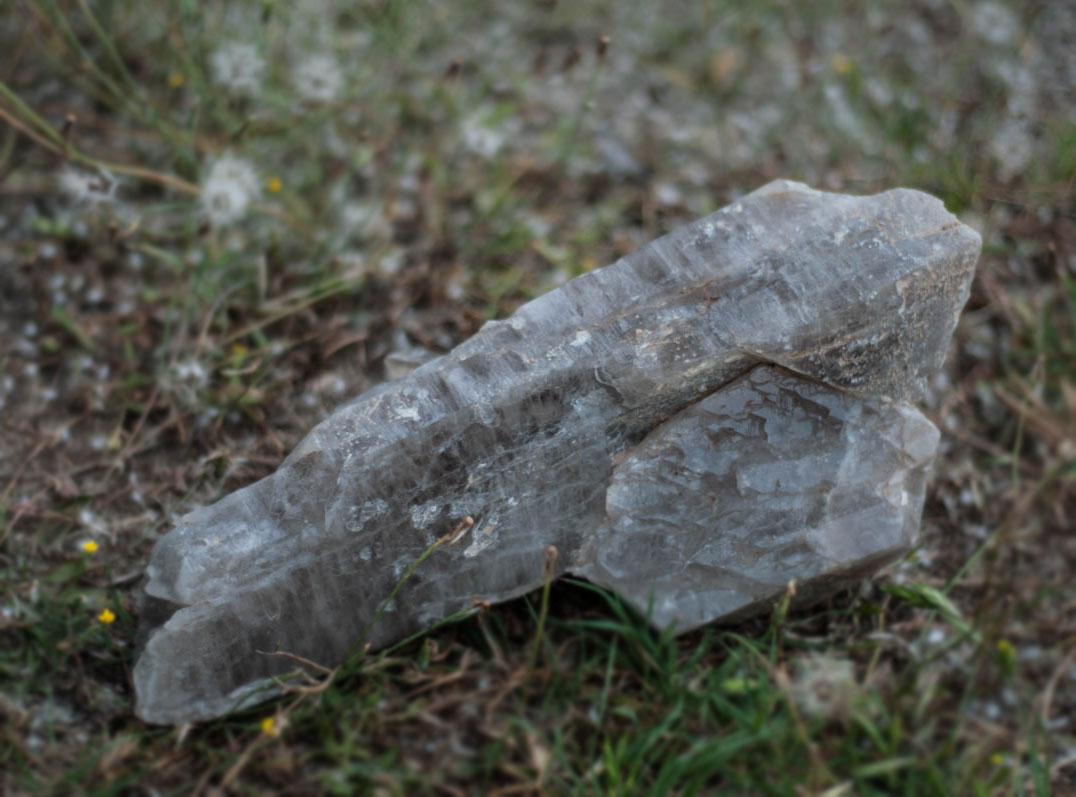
x=695, y=425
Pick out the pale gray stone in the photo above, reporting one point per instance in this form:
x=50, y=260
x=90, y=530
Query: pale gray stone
x=534, y=427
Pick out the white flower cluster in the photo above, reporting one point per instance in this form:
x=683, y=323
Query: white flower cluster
x=318, y=79
x=88, y=188
x=241, y=70
x=823, y=687
x=238, y=68
x=230, y=187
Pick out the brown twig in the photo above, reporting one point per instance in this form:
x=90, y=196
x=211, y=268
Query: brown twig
x=1051, y=685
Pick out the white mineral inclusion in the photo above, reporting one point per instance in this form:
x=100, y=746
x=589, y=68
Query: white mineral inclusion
x=727, y=410
x=372, y=509
x=484, y=413
x=422, y=516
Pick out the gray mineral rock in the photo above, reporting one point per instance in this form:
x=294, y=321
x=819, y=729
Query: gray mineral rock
x=770, y=479
x=694, y=425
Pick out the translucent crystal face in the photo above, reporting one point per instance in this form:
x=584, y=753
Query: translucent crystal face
x=770, y=479
x=538, y=430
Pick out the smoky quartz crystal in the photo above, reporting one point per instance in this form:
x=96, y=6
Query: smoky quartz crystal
x=725, y=410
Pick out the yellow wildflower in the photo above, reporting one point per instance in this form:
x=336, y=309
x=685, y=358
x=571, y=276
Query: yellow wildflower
x=106, y=616
x=175, y=80
x=841, y=63
x=274, y=184
x=997, y=759
x=90, y=546
x=270, y=726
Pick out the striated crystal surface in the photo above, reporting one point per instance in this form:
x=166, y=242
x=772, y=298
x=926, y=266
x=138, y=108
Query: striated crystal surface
x=769, y=479
x=529, y=427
